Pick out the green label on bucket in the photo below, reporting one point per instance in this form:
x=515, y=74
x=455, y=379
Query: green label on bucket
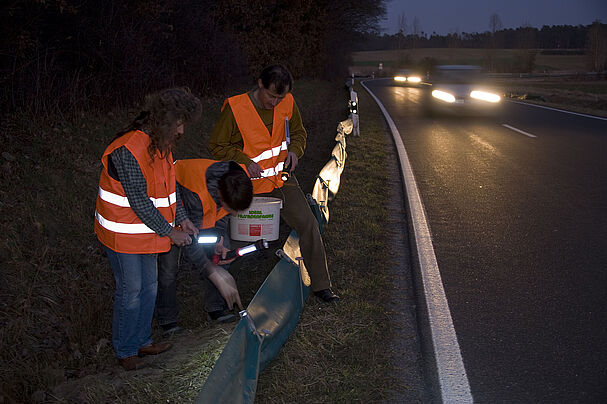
x=259, y=216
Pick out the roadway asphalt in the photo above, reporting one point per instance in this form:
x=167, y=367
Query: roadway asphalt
x=519, y=227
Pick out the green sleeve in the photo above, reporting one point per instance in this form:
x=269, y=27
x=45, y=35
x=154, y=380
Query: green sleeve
x=298, y=133
x=225, y=142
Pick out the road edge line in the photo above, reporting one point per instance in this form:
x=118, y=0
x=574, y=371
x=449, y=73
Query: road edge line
x=558, y=110
x=452, y=378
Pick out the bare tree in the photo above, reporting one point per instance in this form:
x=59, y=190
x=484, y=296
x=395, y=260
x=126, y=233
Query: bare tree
x=495, y=23
x=416, y=31
x=402, y=23
x=401, y=26
x=596, y=44
x=525, y=55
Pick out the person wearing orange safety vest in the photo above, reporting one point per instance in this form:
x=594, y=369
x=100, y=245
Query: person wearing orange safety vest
x=209, y=190
x=263, y=130
x=136, y=210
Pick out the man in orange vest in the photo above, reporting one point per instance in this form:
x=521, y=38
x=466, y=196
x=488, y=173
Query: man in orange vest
x=136, y=210
x=209, y=190
x=252, y=130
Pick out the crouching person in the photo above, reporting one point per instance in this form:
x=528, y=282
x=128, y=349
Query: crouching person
x=136, y=209
x=209, y=190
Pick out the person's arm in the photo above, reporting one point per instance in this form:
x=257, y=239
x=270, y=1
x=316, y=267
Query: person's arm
x=225, y=142
x=298, y=133
x=197, y=254
x=135, y=188
x=180, y=214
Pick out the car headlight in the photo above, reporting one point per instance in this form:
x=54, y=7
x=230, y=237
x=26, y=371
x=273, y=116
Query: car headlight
x=400, y=78
x=485, y=96
x=414, y=79
x=443, y=96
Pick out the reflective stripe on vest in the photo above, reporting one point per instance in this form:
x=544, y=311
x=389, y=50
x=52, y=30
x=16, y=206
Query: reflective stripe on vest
x=125, y=228
x=273, y=152
x=123, y=201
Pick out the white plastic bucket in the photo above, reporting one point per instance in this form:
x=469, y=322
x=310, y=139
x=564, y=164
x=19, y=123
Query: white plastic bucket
x=261, y=220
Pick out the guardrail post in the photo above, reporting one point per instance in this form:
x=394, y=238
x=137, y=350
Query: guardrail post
x=353, y=104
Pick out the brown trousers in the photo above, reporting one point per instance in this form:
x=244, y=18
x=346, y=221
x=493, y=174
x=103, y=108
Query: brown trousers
x=297, y=214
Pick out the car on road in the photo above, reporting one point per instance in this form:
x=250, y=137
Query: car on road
x=408, y=77
x=460, y=89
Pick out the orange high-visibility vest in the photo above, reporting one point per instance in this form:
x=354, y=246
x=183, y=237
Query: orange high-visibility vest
x=116, y=224
x=267, y=150
x=191, y=174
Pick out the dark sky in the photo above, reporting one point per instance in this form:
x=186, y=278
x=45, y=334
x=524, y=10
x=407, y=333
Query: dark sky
x=446, y=16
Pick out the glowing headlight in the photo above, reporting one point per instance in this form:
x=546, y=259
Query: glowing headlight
x=485, y=96
x=400, y=78
x=443, y=96
x=414, y=79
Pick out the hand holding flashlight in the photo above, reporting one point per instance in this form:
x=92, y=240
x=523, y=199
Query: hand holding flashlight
x=231, y=255
x=221, y=256
x=290, y=163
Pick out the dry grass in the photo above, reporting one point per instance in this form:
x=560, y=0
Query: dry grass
x=340, y=353
x=589, y=97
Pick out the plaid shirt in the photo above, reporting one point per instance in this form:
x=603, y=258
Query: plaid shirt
x=135, y=187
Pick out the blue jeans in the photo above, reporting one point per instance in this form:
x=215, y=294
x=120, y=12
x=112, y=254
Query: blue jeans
x=134, y=298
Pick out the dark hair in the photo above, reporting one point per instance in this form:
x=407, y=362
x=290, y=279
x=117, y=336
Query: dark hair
x=161, y=113
x=279, y=76
x=236, y=188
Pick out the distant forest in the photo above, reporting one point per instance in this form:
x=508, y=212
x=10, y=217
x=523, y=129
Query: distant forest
x=555, y=39
x=70, y=55
x=73, y=55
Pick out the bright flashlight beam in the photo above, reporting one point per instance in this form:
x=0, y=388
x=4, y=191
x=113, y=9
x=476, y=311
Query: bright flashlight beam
x=485, y=96
x=207, y=239
x=247, y=249
x=443, y=96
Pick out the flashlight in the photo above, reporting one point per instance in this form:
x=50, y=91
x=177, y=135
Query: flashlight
x=259, y=245
x=200, y=239
x=285, y=173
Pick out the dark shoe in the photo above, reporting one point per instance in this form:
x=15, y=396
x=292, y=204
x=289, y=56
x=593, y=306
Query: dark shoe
x=154, y=349
x=131, y=363
x=170, y=329
x=326, y=295
x=222, y=316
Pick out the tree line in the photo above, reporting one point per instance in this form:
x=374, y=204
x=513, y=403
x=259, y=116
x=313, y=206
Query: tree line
x=567, y=38
x=589, y=40
x=67, y=55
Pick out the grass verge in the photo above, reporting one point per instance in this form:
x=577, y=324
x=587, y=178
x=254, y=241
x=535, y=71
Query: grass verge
x=583, y=96
x=340, y=353
x=58, y=290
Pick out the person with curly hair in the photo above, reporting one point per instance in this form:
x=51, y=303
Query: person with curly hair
x=137, y=208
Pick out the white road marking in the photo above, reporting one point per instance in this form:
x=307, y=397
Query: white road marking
x=518, y=130
x=454, y=385
x=559, y=110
